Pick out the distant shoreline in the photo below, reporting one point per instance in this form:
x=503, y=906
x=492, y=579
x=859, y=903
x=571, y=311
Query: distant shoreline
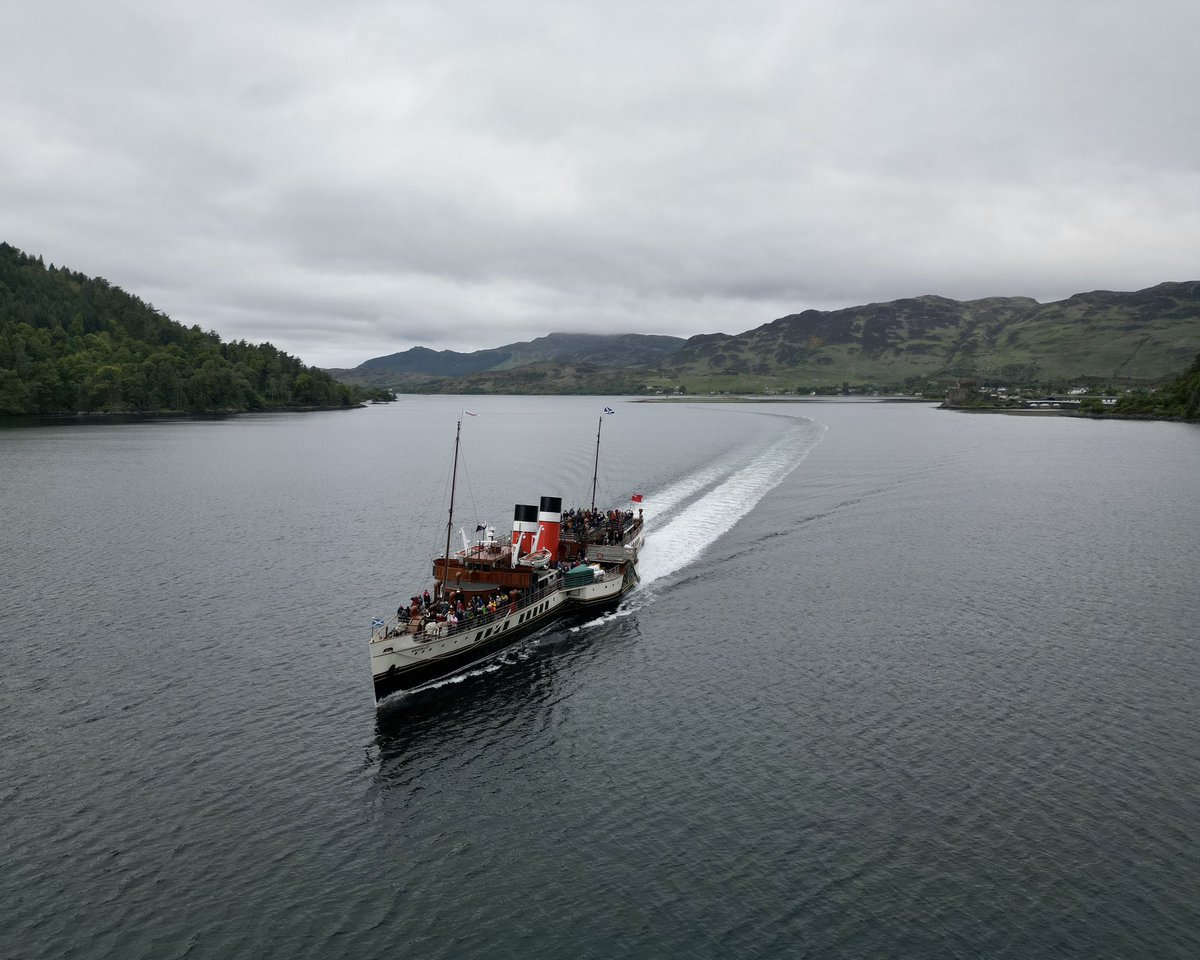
x=1006, y=411
x=1059, y=412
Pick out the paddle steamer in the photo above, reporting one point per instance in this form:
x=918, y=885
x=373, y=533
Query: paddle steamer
x=492, y=592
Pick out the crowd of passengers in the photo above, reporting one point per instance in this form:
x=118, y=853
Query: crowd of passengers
x=596, y=526
x=453, y=609
x=588, y=526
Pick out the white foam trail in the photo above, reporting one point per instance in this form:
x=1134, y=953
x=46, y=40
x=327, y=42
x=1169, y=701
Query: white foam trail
x=604, y=618
x=683, y=490
x=688, y=534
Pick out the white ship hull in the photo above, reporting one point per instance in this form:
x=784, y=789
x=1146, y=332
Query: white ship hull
x=405, y=657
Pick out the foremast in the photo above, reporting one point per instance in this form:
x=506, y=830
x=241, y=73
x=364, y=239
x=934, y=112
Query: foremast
x=441, y=584
x=596, y=465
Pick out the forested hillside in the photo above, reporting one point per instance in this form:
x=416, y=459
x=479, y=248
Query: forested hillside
x=71, y=343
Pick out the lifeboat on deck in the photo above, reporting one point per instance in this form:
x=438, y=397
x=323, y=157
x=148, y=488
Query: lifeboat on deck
x=539, y=559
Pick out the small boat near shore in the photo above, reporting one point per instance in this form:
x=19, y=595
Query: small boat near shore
x=491, y=593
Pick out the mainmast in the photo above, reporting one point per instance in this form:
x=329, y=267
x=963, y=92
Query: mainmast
x=450, y=519
x=596, y=468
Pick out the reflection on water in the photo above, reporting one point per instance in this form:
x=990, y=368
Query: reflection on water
x=523, y=681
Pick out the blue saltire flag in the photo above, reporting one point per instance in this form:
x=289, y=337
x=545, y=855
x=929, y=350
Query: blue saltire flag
x=609, y=410
x=376, y=622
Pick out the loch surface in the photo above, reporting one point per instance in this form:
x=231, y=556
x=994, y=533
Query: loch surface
x=897, y=682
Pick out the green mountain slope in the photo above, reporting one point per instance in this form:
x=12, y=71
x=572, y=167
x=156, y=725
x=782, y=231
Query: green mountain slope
x=1125, y=339
x=1117, y=337
x=71, y=343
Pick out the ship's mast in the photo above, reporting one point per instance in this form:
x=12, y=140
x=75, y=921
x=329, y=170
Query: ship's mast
x=450, y=519
x=596, y=468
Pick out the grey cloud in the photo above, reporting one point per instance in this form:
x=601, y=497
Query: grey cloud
x=354, y=179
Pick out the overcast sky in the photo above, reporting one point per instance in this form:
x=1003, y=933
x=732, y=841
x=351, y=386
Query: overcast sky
x=351, y=179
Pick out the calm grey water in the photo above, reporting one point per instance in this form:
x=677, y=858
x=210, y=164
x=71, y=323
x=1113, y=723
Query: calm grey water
x=897, y=683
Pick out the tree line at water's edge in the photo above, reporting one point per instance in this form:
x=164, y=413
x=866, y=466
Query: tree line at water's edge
x=76, y=344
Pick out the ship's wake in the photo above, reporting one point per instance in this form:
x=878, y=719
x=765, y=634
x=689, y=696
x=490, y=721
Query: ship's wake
x=688, y=516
